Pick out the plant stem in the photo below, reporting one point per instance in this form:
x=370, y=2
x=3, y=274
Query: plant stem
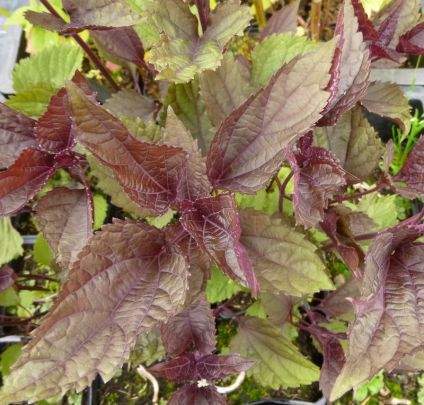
x=260, y=13
x=85, y=47
x=202, y=14
x=315, y=19
x=282, y=188
x=355, y=196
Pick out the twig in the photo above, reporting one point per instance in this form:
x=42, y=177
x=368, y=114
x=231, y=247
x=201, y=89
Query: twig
x=145, y=374
x=355, y=196
x=315, y=19
x=260, y=13
x=232, y=387
x=202, y=14
x=282, y=188
x=85, y=47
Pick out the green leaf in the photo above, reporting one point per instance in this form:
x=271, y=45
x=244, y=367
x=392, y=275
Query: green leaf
x=9, y=356
x=9, y=298
x=382, y=209
x=256, y=310
x=32, y=101
x=162, y=220
x=190, y=109
x=100, y=210
x=181, y=52
x=10, y=240
x=43, y=254
x=53, y=65
x=278, y=361
x=220, y=287
x=283, y=259
x=274, y=52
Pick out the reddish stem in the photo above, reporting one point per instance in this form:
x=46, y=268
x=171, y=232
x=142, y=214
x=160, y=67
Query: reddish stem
x=202, y=14
x=355, y=196
x=85, y=47
x=282, y=188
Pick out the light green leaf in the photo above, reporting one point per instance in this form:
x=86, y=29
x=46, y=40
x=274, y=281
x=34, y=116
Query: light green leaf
x=220, y=287
x=43, y=254
x=181, y=52
x=256, y=310
x=278, y=361
x=9, y=298
x=162, y=220
x=274, y=52
x=283, y=259
x=100, y=210
x=33, y=101
x=10, y=242
x=382, y=209
x=9, y=356
x=53, y=65
x=190, y=109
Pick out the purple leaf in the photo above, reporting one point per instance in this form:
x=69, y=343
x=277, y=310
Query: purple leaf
x=7, y=277
x=351, y=66
x=127, y=280
x=149, y=174
x=249, y=146
x=318, y=177
x=214, y=224
x=194, y=327
x=177, y=370
x=214, y=368
x=44, y=20
x=412, y=172
x=16, y=135
x=193, y=395
x=65, y=218
x=412, y=42
x=389, y=320
x=284, y=20
x=21, y=181
x=122, y=43
x=54, y=129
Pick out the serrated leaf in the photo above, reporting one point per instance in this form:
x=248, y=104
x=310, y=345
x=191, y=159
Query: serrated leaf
x=278, y=362
x=130, y=104
x=278, y=307
x=65, y=218
x=412, y=42
x=283, y=259
x=249, y=146
x=389, y=321
x=149, y=348
x=32, y=101
x=214, y=224
x=318, y=177
x=16, y=135
x=54, y=129
x=53, y=65
x=412, y=172
x=149, y=174
x=275, y=51
x=220, y=287
x=186, y=102
x=354, y=142
x=194, y=327
x=43, y=253
x=388, y=100
x=192, y=394
x=351, y=66
x=195, y=366
x=98, y=14
x=194, y=182
x=144, y=281
x=101, y=207
x=283, y=20
x=224, y=89
x=122, y=43
x=181, y=52
x=21, y=181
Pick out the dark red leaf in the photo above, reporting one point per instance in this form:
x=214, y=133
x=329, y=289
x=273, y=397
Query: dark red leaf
x=24, y=179
x=194, y=327
x=214, y=224
x=65, y=218
x=214, y=368
x=45, y=20
x=177, y=370
x=16, y=135
x=149, y=174
x=412, y=42
x=318, y=177
x=7, y=277
x=122, y=43
x=194, y=395
x=54, y=129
